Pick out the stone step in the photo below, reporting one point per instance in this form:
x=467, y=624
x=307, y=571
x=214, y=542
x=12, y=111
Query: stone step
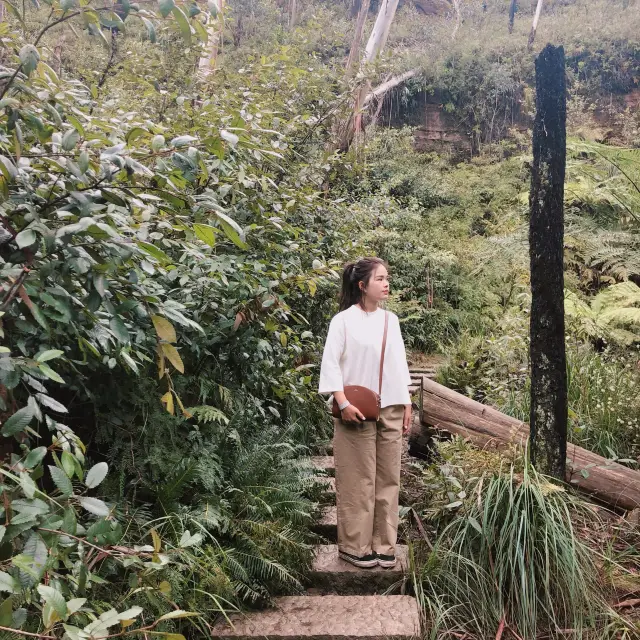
x=327, y=618
x=413, y=370
x=327, y=526
x=324, y=463
x=330, y=573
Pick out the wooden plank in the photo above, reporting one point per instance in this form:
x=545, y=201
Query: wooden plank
x=610, y=482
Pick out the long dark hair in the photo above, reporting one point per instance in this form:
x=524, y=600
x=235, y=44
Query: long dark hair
x=354, y=273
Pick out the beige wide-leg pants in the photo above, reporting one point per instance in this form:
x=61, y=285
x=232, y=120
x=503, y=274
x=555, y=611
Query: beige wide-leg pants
x=367, y=459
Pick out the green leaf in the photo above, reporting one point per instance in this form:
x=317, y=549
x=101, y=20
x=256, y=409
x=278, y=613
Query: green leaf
x=52, y=404
x=232, y=230
x=206, y=233
x=28, y=485
x=157, y=142
x=35, y=457
x=30, y=507
x=18, y=422
x=135, y=133
x=61, y=481
x=29, y=57
x=70, y=139
x=36, y=550
x=95, y=506
x=183, y=23
x=165, y=7
x=49, y=355
x=65, y=5
x=8, y=583
x=96, y=475
x=155, y=252
x=54, y=598
x=116, y=324
x=69, y=522
x=75, y=604
x=6, y=609
x=183, y=141
x=26, y=238
x=151, y=29
x=50, y=373
x=68, y=463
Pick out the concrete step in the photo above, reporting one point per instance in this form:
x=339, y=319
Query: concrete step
x=330, y=573
x=327, y=526
x=324, y=463
x=327, y=618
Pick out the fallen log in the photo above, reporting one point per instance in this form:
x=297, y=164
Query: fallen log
x=610, y=482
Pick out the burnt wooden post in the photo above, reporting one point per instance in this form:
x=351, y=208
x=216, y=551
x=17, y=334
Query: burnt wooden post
x=548, y=440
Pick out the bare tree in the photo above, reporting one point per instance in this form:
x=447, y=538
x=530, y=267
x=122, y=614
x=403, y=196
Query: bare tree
x=354, y=53
x=215, y=25
x=548, y=418
x=456, y=6
x=375, y=45
x=534, y=26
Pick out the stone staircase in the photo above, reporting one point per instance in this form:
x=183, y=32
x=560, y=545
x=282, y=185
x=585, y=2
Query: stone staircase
x=417, y=373
x=343, y=603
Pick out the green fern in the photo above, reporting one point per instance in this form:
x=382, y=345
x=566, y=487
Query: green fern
x=613, y=314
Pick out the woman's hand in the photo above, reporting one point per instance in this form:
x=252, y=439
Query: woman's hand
x=352, y=414
x=406, y=420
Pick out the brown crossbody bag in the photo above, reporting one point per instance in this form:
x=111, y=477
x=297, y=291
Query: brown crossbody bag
x=367, y=401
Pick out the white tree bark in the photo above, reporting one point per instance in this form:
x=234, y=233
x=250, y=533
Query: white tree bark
x=389, y=84
x=534, y=26
x=456, y=6
x=293, y=9
x=215, y=25
x=380, y=31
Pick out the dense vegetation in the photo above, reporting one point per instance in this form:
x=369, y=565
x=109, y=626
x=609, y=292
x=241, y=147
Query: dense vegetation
x=170, y=245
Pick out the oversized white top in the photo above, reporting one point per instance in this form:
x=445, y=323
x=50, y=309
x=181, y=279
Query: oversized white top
x=352, y=356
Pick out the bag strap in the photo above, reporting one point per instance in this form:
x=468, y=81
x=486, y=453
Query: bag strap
x=384, y=346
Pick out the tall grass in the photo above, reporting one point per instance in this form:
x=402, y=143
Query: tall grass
x=512, y=558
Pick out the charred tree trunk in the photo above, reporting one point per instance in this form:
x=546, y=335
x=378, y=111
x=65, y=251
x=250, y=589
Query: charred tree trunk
x=546, y=236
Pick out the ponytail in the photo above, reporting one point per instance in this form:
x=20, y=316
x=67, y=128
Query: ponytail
x=353, y=274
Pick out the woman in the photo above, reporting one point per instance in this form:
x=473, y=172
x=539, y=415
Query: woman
x=367, y=454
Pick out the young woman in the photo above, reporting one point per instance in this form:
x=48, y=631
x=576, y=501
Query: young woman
x=367, y=453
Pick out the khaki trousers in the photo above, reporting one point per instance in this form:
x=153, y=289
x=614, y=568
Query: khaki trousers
x=367, y=459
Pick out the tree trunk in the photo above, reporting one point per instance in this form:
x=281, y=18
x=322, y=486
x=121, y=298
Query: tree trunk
x=512, y=14
x=375, y=45
x=293, y=9
x=354, y=53
x=534, y=26
x=380, y=31
x=215, y=25
x=546, y=237
x=456, y=6
x=486, y=427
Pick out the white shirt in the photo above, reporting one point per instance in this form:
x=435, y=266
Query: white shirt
x=352, y=356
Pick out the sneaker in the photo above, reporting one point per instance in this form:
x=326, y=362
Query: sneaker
x=386, y=562
x=364, y=562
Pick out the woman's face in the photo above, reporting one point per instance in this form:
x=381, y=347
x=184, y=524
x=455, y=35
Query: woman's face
x=377, y=289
